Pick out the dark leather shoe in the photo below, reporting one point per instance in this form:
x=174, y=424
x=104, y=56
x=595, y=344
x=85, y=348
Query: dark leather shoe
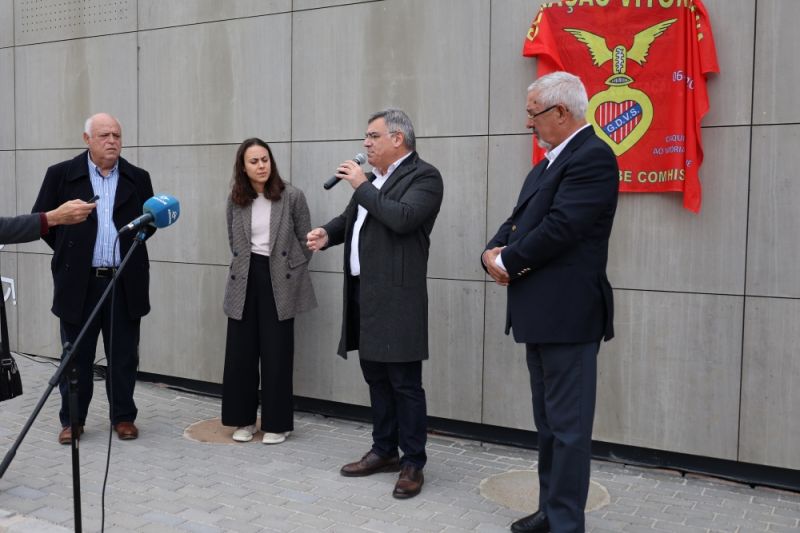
x=65, y=435
x=409, y=483
x=535, y=523
x=126, y=431
x=371, y=463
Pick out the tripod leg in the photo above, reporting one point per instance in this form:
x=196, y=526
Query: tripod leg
x=76, y=435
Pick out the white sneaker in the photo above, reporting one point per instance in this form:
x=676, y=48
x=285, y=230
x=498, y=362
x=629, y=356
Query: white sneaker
x=275, y=438
x=245, y=433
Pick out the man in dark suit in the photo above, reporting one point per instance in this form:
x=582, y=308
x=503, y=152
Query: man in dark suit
x=386, y=231
x=552, y=253
x=27, y=228
x=85, y=259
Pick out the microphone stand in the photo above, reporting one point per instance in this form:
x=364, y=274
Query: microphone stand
x=67, y=363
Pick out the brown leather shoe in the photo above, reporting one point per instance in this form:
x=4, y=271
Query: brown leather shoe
x=371, y=463
x=65, y=435
x=126, y=430
x=409, y=483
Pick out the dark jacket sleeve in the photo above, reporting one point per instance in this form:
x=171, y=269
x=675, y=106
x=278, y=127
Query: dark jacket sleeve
x=406, y=214
x=23, y=228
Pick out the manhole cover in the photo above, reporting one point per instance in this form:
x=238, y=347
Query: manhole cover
x=214, y=432
x=519, y=490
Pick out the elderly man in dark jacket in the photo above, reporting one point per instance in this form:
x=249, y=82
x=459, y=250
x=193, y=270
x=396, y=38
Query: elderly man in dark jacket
x=85, y=259
x=386, y=231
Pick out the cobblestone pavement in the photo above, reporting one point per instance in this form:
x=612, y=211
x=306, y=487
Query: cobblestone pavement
x=163, y=482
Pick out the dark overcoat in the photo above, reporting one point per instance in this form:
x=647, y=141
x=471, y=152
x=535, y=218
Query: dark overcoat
x=556, y=243
x=73, y=245
x=393, y=252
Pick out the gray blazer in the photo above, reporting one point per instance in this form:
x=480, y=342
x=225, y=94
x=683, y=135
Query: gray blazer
x=23, y=228
x=291, y=283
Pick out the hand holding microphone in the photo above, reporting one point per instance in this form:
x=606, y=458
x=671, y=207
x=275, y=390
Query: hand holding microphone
x=159, y=211
x=350, y=171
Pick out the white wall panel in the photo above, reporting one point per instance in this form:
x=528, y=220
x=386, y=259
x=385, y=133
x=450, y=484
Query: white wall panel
x=216, y=83
x=59, y=85
x=160, y=14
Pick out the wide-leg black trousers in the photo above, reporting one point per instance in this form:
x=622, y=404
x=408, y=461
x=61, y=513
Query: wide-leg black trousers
x=259, y=338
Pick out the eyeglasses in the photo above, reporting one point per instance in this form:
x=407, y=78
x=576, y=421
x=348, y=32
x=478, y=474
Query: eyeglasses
x=374, y=135
x=532, y=116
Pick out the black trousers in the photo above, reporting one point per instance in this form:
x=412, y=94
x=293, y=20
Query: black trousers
x=563, y=390
x=122, y=356
x=397, y=399
x=259, y=338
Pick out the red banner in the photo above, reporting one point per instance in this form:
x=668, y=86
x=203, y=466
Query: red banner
x=644, y=64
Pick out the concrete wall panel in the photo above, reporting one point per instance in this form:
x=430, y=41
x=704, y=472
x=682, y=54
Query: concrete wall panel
x=730, y=92
x=511, y=73
x=458, y=235
x=37, y=327
x=300, y=5
x=670, y=379
x=769, y=426
x=774, y=220
x=7, y=99
x=453, y=376
x=6, y=23
x=777, y=71
x=506, y=385
x=199, y=177
x=59, y=85
x=184, y=334
x=656, y=244
x=216, y=83
x=160, y=14
x=438, y=75
x=318, y=371
x=8, y=198
x=37, y=21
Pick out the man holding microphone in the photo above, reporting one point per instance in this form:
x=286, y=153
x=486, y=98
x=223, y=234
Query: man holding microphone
x=386, y=231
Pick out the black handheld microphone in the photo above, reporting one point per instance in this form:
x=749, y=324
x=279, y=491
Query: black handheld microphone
x=360, y=159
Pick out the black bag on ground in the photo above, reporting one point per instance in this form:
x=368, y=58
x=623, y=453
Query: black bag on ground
x=10, y=382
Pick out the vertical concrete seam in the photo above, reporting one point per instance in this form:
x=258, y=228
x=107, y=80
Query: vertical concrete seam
x=486, y=210
x=747, y=233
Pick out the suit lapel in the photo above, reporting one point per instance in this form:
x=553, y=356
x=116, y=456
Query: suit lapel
x=541, y=172
x=531, y=185
x=405, y=168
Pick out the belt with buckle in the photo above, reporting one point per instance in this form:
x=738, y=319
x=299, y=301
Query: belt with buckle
x=103, y=272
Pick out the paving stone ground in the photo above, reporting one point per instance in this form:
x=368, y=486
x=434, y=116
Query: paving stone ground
x=163, y=482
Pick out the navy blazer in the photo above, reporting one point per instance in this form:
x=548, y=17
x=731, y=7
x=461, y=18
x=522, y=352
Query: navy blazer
x=73, y=245
x=556, y=243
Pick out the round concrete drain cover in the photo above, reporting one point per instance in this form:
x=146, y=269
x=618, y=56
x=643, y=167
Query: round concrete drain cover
x=519, y=490
x=214, y=432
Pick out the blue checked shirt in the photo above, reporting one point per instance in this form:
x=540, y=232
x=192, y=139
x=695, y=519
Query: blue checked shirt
x=106, y=246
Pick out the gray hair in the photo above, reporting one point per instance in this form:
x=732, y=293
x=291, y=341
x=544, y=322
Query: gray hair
x=87, y=126
x=562, y=88
x=397, y=120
